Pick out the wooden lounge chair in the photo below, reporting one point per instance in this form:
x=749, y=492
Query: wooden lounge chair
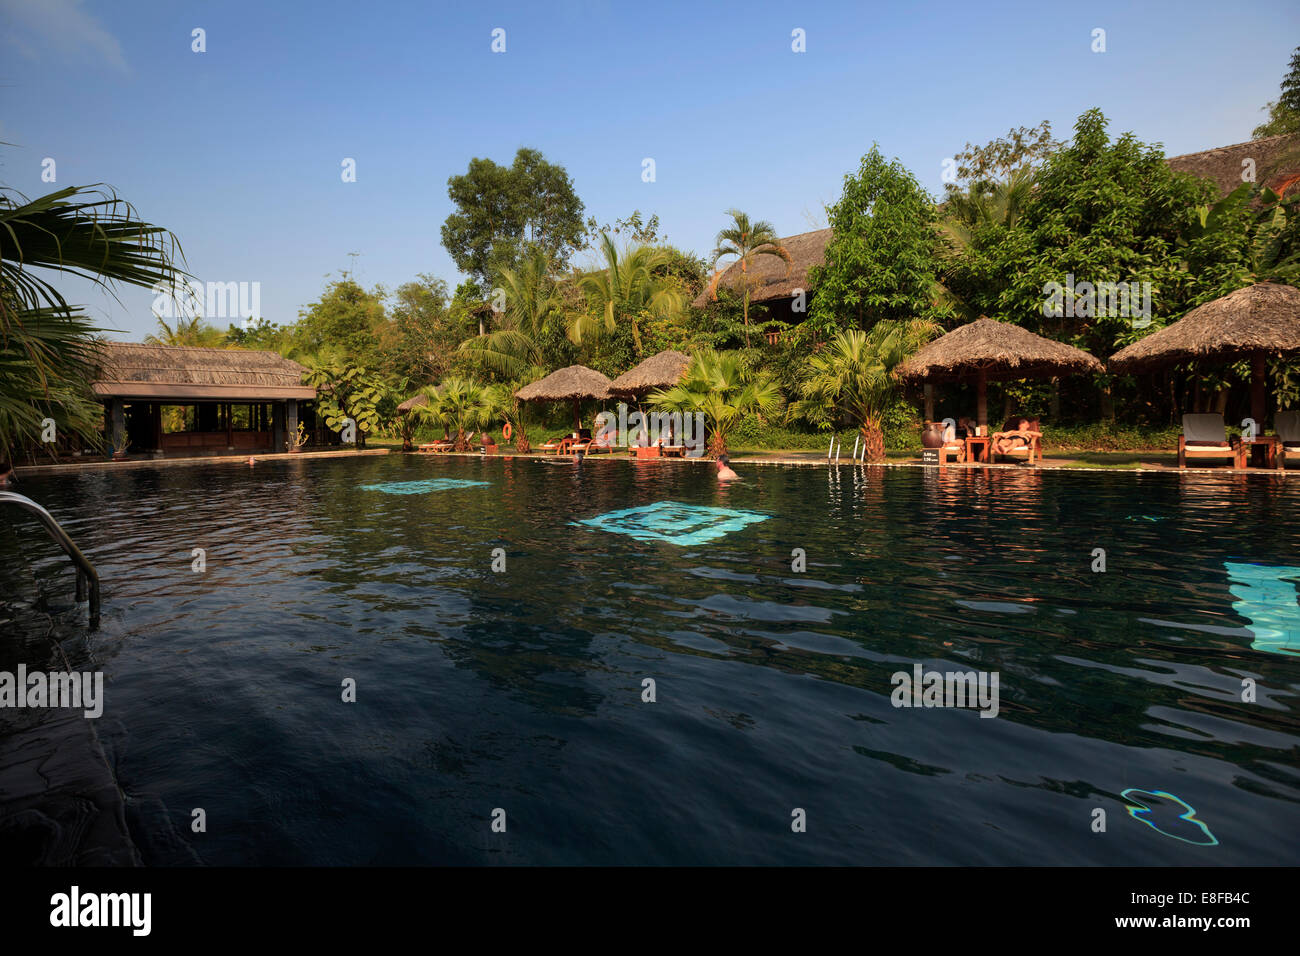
x=1206, y=437
x=1287, y=426
x=1026, y=453
x=433, y=447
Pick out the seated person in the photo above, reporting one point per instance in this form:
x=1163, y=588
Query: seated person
x=965, y=428
x=1021, y=437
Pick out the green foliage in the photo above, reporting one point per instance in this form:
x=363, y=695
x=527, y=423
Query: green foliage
x=632, y=285
x=1020, y=150
x=1102, y=211
x=723, y=387
x=529, y=331
x=883, y=260
x=461, y=405
x=47, y=354
x=852, y=379
x=347, y=390
x=345, y=319
x=1284, y=112
x=187, y=331
x=500, y=209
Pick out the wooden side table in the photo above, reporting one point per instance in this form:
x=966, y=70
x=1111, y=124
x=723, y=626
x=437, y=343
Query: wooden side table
x=980, y=442
x=1246, y=448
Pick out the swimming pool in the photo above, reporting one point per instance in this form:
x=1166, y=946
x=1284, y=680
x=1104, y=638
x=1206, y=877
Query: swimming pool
x=523, y=689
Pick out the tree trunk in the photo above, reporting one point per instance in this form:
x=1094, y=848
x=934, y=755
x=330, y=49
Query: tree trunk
x=873, y=441
x=1054, y=402
x=462, y=443
x=717, y=443
x=747, y=316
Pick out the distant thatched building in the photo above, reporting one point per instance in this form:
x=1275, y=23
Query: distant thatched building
x=231, y=399
x=784, y=291
x=1273, y=162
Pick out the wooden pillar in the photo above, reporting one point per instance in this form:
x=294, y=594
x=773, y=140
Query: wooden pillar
x=230, y=426
x=1258, y=392
x=982, y=398
x=277, y=427
x=291, y=423
x=156, y=410
x=928, y=390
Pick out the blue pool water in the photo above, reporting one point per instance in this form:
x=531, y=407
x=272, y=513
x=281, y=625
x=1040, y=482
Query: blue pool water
x=526, y=688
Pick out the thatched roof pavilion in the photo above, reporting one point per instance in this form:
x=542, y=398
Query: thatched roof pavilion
x=987, y=350
x=213, y=381
x=415, y=401
x=1274, y=160
x=1254, y=323
x=659, y=371
x=573, y=383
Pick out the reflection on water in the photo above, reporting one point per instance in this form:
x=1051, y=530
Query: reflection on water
x=524, y=688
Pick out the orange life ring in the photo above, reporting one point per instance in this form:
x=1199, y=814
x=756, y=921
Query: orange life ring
x=506, y=431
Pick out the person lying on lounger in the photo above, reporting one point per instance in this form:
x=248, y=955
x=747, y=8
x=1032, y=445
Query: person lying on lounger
x=1022, y=437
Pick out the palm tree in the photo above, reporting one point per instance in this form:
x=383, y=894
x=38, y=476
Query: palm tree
x=987, y=203
x=47, y=347
x=629, y=285
x=853, y=377
x=461, y=405
x=530, y=321
x=191, y=331
x=719, y=385
x=746, y=241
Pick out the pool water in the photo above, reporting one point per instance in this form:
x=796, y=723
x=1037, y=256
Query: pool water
x=507, y=621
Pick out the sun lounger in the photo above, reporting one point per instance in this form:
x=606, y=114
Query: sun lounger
x=1205, y=437
x=1028, y=450
x=1287, y=426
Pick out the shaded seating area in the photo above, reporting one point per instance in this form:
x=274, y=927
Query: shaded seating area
x=1014, y=443
x=1256, y=324
x=575, y=383
x=181, y=401
x=988, y=350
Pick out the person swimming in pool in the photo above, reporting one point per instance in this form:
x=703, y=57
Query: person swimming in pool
x=1003, y=442
x=724, y=469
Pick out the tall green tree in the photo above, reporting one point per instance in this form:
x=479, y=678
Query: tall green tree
x=347, y=390
x=746, y=241
x=47, y=346
x=633, y=285
x=1284, y=112
x=501, y=209
x=346, y=318
x=186, y=331
x=852, y=379
x=884, y=257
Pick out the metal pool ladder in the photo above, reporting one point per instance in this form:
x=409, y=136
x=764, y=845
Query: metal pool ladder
x=86, y=573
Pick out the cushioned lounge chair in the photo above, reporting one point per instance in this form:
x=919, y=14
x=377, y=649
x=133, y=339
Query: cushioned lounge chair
x=1205, y=437
x=1287, y=426
x=1026, y=452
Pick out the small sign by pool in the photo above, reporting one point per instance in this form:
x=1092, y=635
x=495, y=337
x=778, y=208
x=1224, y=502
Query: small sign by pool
x=674, y=522
x=422, y=487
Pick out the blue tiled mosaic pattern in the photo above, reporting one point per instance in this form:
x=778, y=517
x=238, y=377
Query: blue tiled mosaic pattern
x=674, y=522
x=422, y=487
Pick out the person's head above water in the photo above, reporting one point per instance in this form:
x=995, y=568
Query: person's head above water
x=723, y=461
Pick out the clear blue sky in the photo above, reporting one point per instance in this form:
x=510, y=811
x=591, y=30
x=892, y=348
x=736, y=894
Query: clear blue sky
x=238, y=150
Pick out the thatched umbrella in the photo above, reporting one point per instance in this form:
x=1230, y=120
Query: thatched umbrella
x=415, y=401
x=987, y=350
x=1253, y=323
x=575, y=382
x=659, y=371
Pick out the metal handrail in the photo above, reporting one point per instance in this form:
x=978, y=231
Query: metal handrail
x=86, y=572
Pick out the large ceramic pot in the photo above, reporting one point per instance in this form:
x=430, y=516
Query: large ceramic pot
x=932, y=435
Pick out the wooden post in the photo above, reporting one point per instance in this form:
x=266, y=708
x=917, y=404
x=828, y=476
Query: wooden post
x=1258, y=391
x=928, y=390
x=291, y=423
x=982, y=398
x=156, y=410
x=230, y=426
x=277, y=427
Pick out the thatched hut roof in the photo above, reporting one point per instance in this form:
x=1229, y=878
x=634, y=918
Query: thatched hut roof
x=768, y=277
x=132, y=370
x=659, y=371
x=1274, y=162
x=415, y=401
x=576, y=381
x=1262, y=319
x=999, y=349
